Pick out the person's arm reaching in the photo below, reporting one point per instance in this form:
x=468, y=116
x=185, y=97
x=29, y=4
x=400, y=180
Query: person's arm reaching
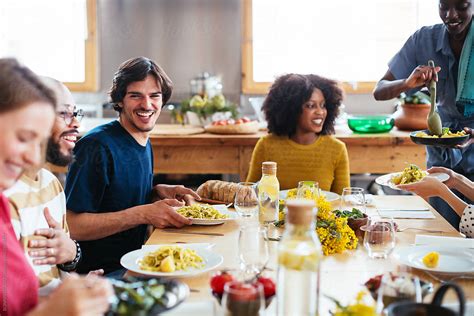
x=431, y=186
x=456, y=181
x=388, y=87
x=92, y=226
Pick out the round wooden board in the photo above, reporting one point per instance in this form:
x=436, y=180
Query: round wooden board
x=244, y=128
x=177, y=129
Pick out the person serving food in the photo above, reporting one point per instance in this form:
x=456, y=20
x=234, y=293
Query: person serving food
x=451, y=46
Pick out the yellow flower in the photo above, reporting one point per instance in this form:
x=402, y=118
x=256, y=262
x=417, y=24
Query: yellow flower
x=333, y=232
x=359, y=308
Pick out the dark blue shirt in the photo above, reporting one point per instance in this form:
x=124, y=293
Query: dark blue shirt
x=432, y=42
x=111, y=172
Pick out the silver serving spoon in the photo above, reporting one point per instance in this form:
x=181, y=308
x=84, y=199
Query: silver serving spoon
x=434, y=120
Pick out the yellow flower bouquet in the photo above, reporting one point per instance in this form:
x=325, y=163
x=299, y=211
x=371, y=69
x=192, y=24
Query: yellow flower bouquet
x=334, y=233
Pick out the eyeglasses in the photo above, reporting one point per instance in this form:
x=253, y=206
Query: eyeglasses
x=68, y=116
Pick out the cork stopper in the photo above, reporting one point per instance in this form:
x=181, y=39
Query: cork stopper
x=269, y=167
x=300, y=211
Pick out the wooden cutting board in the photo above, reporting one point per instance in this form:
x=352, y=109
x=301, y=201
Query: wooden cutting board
x=177, y=129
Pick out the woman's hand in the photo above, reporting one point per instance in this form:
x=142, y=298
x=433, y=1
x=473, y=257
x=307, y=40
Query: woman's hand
x=427, y=187
x=77, y=296
x=451, y=182
x=422, y=75
x=57, y=248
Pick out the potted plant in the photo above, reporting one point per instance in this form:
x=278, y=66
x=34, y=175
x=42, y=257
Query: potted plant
x=412, y=111
x=201, y=110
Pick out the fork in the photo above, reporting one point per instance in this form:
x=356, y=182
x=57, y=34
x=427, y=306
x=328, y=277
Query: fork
x=399, y=230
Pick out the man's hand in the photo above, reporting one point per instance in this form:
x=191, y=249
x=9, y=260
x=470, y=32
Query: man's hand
x=163, y=214
x=422, y=75
x=470, y=140
x=178, y=192
x=427, y=187
x=57, y=248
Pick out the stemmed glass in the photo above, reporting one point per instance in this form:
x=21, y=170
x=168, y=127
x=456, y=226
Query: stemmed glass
x=352, y=197
x=379, y=237
x=253, y=250
x=246, y=200
x=307, y=190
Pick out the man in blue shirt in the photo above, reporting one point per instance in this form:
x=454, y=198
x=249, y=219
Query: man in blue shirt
x=442, y=43
x=109, y=185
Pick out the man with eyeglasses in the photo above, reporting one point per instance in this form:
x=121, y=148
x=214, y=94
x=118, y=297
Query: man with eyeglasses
x=38, y=203
x=109, y=186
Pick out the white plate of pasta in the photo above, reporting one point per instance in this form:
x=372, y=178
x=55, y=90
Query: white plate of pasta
x=204, y=214
x=388, y=179
x=188, y=259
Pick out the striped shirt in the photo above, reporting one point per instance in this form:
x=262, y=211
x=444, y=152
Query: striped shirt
x=28, y=199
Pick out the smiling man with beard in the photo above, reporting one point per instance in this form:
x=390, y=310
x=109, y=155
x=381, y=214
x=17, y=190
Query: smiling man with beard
x=450, y=45
x=110, y=184
x=38, y=203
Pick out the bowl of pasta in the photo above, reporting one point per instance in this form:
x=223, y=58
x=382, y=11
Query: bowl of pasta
x=448, y=138
x=205, y=214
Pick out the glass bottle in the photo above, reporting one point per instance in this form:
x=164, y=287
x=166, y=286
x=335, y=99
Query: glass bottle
x=299, y=257
x=268, y=193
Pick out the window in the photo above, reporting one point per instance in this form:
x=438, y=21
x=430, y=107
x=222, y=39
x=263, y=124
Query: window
x=351, y=41
x=55, y=38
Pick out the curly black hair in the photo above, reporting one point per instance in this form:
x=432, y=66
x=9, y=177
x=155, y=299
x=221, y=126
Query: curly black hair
x=137, y=69
x=284, y=103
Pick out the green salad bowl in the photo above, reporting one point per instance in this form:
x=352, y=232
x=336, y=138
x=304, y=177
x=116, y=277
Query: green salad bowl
x=370, y=123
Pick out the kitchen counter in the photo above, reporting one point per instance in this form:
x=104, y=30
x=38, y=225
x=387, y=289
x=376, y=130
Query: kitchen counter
x=230, y=154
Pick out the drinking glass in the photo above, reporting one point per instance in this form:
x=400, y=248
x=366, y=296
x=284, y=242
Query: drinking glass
x=352, y=197
x=246, y=199
x=253, y=250
x=243, y=299
x=379, y=237
x=398, y=287
x=307, y=190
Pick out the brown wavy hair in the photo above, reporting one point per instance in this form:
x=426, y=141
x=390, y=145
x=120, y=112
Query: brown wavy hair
x=137, y=69
x=284, y=103
x=19, y=86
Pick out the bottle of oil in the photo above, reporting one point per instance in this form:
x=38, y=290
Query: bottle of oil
x=299, y=257
x=268, y=193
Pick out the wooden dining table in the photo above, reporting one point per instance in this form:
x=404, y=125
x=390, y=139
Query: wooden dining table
x=342, y=275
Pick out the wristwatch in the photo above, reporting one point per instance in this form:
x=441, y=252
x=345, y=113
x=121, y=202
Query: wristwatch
x=72, y=265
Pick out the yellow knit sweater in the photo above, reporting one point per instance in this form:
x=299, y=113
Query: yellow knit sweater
x=325, y=161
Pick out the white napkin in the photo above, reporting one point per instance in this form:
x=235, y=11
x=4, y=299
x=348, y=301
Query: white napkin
x=405, y=214
x=444, y=241
x=206, y=307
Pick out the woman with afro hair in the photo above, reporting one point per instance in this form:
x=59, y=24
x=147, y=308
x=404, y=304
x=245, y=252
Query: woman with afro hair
x=301, y=111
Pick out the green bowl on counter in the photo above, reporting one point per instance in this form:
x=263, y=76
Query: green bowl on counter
x=370, y=123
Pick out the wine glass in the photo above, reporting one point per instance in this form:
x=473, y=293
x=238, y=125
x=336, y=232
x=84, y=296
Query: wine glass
x=243, y=299
x=379, y=237
x=352, y=197
x=246, y=200
x=398, y=287
x=307, y=190
x=253, y=250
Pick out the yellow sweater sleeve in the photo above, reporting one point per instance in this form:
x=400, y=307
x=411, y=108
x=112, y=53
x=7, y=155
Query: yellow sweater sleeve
x=341, y=173
x=258, y=156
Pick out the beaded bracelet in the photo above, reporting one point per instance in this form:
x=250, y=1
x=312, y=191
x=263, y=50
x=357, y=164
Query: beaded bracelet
x=72, y=265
